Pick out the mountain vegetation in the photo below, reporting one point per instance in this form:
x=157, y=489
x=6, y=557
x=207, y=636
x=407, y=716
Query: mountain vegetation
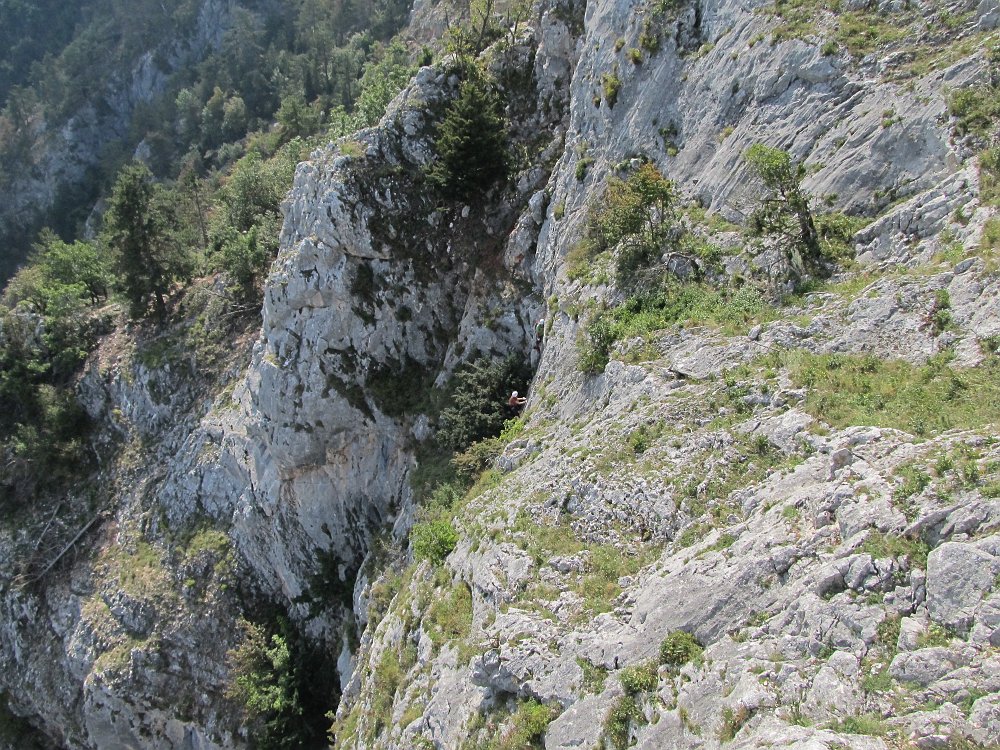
x=263, y=485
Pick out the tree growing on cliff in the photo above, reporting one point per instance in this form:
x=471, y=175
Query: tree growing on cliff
x=471, y=141
x=137, y=228
x=784, y=207
x=637, y=215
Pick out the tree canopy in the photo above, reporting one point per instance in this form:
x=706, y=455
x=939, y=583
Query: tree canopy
x=138, y=230
x=471, y=142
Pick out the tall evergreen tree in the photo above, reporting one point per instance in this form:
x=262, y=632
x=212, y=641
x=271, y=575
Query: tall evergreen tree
x=471, y=141
x=138, y=230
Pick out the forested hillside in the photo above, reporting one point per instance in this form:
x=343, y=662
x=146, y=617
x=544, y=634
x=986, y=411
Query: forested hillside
x=191, y=187
x=85, y=85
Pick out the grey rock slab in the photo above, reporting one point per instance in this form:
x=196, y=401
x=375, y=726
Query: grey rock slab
x=958, y=577
x=580, y=726
x=926, y=665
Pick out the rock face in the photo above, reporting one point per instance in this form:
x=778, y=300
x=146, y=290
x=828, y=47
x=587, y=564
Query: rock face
x=682, y=550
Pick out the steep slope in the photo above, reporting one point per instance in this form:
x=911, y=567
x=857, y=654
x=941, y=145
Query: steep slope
x=840, y=578
x=781, y=531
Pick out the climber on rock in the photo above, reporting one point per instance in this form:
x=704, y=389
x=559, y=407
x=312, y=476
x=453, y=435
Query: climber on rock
x=515, y=402
x=539, y=334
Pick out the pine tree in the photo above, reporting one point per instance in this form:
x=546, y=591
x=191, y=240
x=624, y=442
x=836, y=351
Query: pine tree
x=471, y=143
x=137, y=229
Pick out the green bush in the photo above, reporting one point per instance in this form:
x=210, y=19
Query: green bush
x=638, y=211
x=619, y=720
x=679, y=648
x=527, y=727
x=641, y=678
x=976, y=110
x=611, y=84
x=433, y=540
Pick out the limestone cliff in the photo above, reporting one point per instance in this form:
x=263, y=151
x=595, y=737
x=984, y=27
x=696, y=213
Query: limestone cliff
x=837, y=582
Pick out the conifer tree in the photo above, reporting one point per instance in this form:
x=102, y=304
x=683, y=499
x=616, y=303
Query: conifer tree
x=138, y=231
x=471, y=143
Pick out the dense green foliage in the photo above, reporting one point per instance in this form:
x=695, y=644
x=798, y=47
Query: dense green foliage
x=471, y=141
x=139, y=227
x=317, y=67
x=679, y=648
x=46, y=330
x=283, y=687
x=433, y=540
x=28, y=30
x=478, y=405
x=619, y=720
x=637, y=217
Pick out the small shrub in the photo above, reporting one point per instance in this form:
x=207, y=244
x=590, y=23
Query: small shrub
x=635, y=55
x=611, y=84
x=433, y=540
x=829, y=48
x=527, y=727
x=639, y=679
x=617, y=725
x=679, y=648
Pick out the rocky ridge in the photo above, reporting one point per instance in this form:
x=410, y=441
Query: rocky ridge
x=692, y=486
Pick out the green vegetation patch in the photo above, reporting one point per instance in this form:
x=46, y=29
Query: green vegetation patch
x=926, y=399
x=526, y=728
x=433, y=540
x=617, y=725
x=594, y=676
x=641, y=678
x=869, y=724
x=680, y=648
x=880, y=545
x=672, y=302
x=449, y=617
x=733, y=720
x=976, y=110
